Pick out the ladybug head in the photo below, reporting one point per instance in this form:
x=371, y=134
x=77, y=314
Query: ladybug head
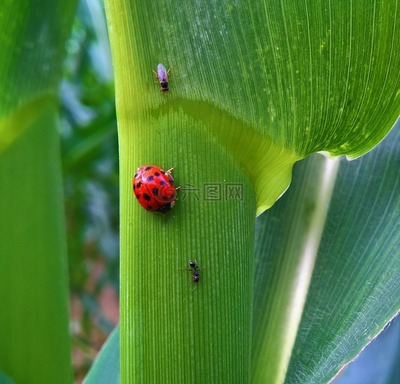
x=166, y=193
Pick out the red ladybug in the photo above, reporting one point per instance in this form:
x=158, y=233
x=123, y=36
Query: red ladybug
x=154, y=188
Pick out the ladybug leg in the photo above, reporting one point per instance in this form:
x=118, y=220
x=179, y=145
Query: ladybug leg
x=170, y=170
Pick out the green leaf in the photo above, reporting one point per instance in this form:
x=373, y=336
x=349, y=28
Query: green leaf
x=32, y=43
x=34, y=334
x=354, y=287
x=105, y=369
x=285, y=80
x=34, y=328
x=253, y=89
x=287, y=243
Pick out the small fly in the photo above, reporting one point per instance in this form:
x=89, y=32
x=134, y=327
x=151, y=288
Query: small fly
x=162, y=76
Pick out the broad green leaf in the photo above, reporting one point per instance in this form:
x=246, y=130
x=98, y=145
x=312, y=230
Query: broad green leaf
x=355, y=288
x=253, y=89
x=287, y=243
x=105, y=369
x=35, y=342
x=32, y=46
x=283, y=79
x=355, y=285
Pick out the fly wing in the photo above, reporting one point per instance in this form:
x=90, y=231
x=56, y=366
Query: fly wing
x=162, y=73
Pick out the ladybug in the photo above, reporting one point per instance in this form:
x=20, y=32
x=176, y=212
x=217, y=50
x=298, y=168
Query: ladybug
x=154, y=188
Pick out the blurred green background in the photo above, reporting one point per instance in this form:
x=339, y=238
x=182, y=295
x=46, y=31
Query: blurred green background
x=90, y=169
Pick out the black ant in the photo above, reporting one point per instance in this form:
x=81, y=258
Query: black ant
x=194, y=267
x=196, y=274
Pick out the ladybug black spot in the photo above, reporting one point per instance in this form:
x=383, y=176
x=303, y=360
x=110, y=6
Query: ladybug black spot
x=149, y=207
x=163, y=182
x=137, y=195
x=155, y=191
x=146, y=197
x=150, y=178
x=171, y=182
x=147, y=168
x=135, y=175
x=138, y=185
x=157, y=174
